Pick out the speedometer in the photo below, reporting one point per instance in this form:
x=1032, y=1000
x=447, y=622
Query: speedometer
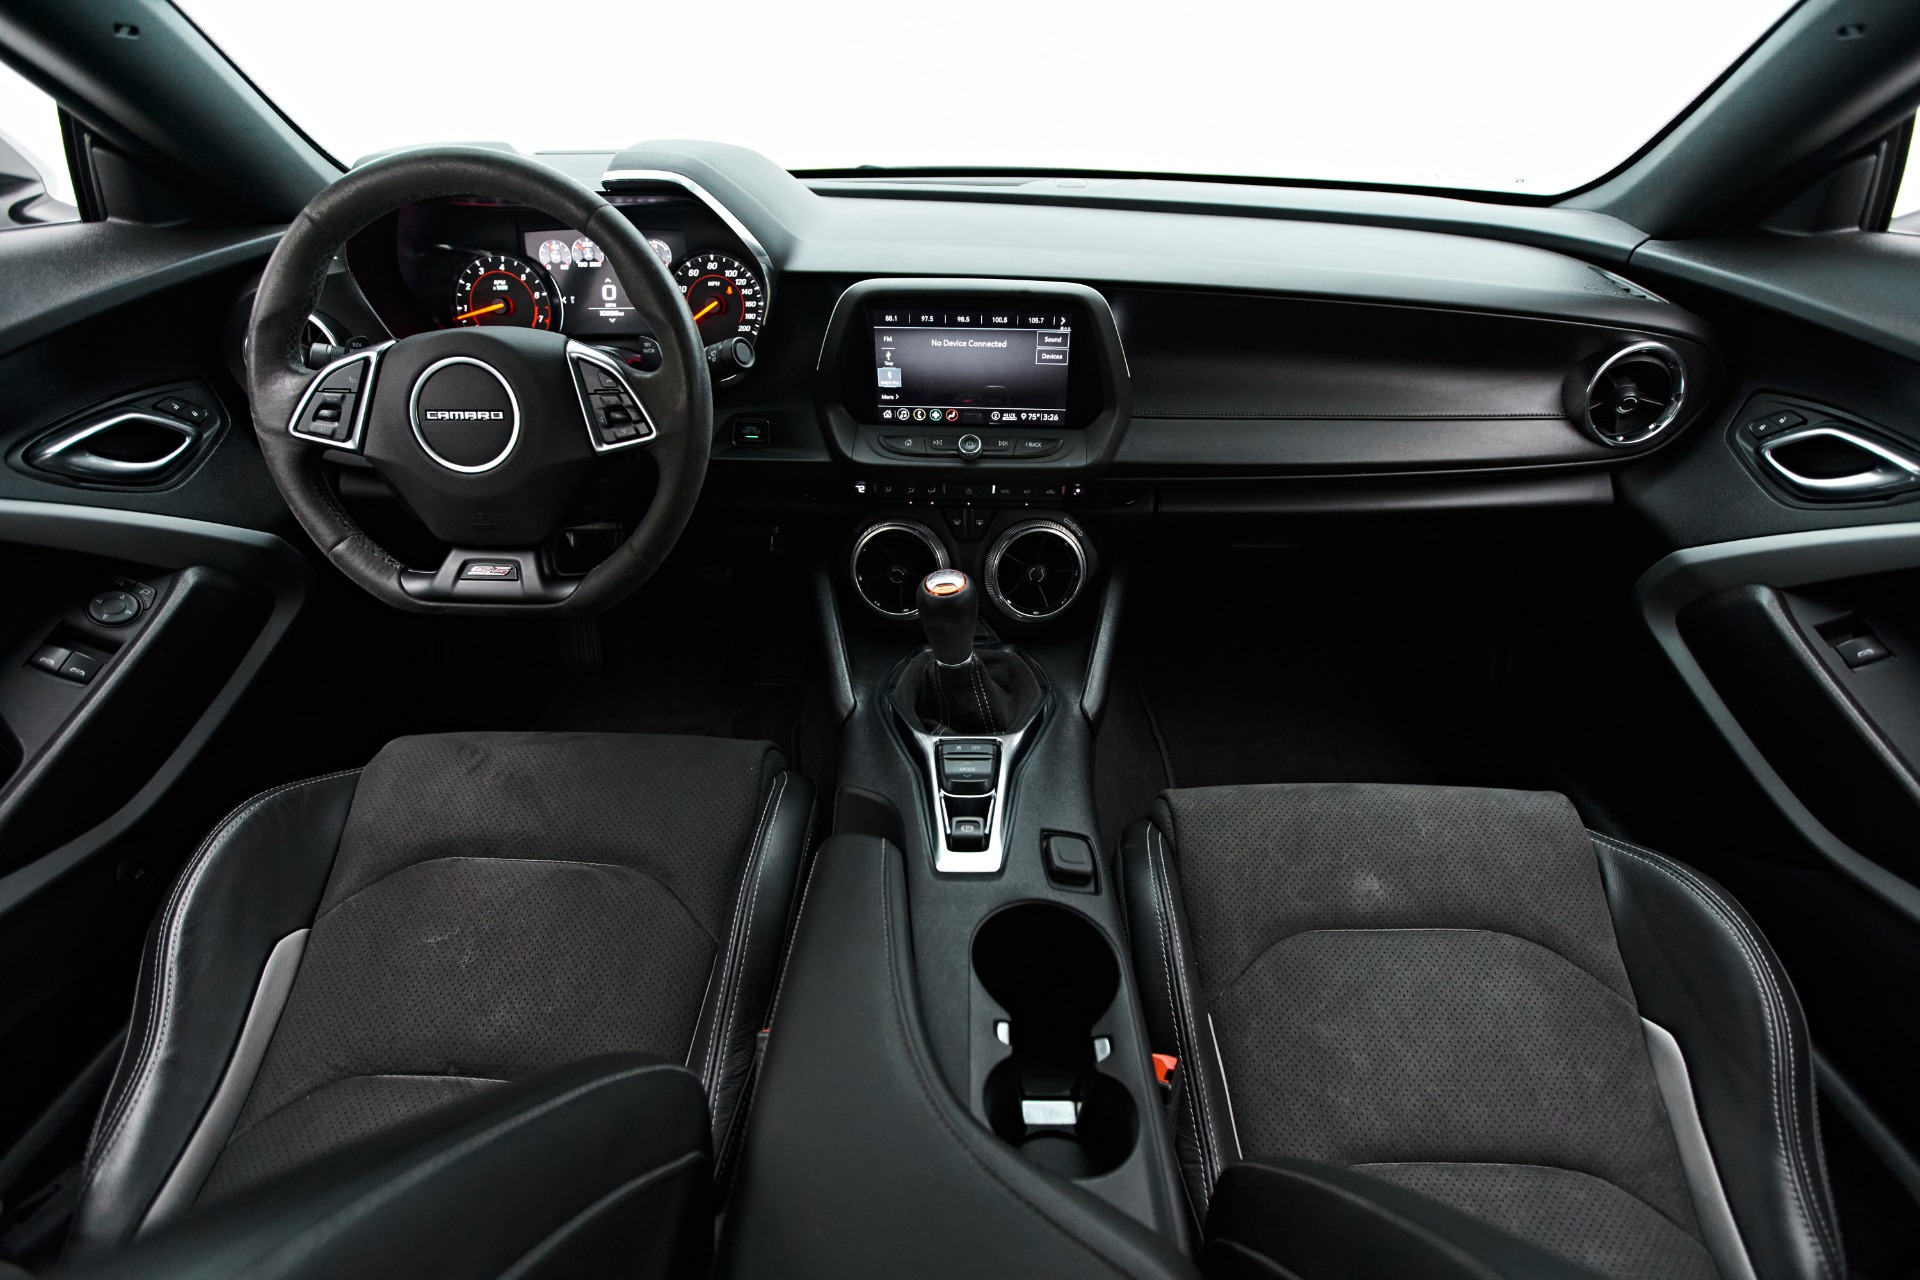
x=500, y=289
x=726, y=298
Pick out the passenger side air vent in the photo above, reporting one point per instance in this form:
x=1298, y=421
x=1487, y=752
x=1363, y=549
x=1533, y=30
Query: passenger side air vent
x=1634, y=394
x=1036, y=569
x=889, y=560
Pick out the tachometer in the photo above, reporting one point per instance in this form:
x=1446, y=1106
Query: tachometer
x=726, y=298
x=500, y=289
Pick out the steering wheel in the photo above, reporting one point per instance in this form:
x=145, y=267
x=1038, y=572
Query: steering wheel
x=487, y=433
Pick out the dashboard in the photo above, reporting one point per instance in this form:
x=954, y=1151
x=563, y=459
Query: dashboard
x=924, y=337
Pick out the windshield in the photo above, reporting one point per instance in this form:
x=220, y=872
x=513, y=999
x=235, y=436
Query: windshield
x=1527, y=97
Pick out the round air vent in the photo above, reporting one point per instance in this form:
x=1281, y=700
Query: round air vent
x=889, y=560
x=1634, y=395
x=1036, y=569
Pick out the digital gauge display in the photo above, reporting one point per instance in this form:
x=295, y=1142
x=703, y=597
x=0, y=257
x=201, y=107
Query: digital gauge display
x=595, y=301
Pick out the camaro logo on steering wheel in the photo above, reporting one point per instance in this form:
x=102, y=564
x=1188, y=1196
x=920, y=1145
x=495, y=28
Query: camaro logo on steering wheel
x=464, y=415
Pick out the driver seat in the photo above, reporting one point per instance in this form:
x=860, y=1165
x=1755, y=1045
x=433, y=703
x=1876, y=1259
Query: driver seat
x=347, y=954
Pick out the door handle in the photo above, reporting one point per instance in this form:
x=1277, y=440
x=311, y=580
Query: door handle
x=71, y=452
x=1882, y=470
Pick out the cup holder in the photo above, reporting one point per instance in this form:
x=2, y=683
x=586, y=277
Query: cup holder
x=1056, y=977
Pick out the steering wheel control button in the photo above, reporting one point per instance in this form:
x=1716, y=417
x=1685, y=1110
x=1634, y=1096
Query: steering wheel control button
x=329, y=412
x=615, y=418
x=490, y=571
x=910, y=445
x=969, y=445
x=346, y=377
x=113, y=608
x=465, y=416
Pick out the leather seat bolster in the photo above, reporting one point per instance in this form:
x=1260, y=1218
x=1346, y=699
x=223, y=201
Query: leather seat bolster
x=1175, y=1010
x=735, y=1008
x=256, y=879
x=1300, y=1219
x=597, y=1168
x=1702, y=971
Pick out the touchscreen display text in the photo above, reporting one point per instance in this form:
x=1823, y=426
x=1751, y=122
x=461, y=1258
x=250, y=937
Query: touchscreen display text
x=940, y=363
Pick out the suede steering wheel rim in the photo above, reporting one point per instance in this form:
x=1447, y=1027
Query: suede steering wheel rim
x=483, y=512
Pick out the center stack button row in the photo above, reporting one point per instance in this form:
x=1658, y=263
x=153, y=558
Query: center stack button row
x=970, y=445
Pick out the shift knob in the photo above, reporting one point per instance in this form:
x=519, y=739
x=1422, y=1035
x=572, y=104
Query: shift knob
x=949, y=606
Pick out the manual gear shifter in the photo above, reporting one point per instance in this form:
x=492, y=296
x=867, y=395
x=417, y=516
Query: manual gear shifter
x=955, y=689
x=949, y=608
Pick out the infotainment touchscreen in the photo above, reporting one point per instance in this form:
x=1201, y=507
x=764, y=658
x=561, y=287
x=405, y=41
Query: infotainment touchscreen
x=955, y=364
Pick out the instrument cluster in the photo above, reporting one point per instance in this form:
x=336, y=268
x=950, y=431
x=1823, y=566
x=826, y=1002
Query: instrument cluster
x=457, y=263
x=561, y=281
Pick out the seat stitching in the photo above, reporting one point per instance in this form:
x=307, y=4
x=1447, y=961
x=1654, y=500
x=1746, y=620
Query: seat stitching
x=1210, y=1150
x=318, y=1089
x=1779, y=1039
x=1785, y=1111
x=413, y=1174
x=1180, y=1042
x=166, y=950
x=743, y=905
x=1532, y=1164
x=1492, y=933
x=780, y=982
x=642, y=872
x=746, y=940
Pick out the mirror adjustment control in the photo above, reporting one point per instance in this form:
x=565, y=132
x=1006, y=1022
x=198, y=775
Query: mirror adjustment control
x=113, y=608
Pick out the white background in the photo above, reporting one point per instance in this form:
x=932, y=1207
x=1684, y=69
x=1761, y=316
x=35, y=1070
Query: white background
x=1510, y=95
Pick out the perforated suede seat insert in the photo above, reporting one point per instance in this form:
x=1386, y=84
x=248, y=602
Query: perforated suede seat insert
x=500, y=904
x=1423, y=983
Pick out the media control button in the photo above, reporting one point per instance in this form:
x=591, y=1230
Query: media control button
x=904, y=444
x=969, y=445
x=1049, y=355
x=995, y=446
x=1037, y=446
x=1062, y=338
x=943, y=443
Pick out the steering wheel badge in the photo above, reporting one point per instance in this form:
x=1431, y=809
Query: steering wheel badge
x=464, y=414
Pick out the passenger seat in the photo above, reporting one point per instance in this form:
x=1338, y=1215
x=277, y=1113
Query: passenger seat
x=1462, y=999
